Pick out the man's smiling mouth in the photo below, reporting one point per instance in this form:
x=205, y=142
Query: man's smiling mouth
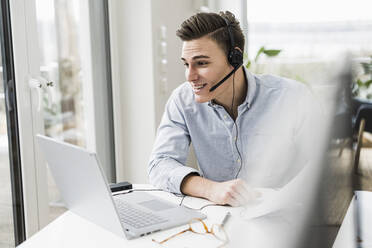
x=199, y=86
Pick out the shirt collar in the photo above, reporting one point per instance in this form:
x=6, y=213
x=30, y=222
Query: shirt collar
x=251, y=90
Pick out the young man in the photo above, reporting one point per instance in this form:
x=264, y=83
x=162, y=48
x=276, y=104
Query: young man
x=231, y=117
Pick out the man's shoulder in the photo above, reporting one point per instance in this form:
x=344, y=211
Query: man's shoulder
x=182, y=96
x=270, y=81
x=183, y=93
x=274, y=81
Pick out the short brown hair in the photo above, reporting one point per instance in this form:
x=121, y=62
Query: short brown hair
x=213, y=25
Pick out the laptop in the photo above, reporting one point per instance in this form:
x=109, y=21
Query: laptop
x=85, y=191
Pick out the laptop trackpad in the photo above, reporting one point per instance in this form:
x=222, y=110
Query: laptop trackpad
x=155, y=205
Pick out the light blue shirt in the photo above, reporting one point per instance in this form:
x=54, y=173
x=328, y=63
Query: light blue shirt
x=261, y=147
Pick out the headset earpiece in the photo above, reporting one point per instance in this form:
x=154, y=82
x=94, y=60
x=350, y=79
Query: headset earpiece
x=235, y=57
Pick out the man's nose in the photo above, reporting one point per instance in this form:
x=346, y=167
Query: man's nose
x=191, y=74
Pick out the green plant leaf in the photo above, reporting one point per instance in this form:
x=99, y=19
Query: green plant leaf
x=359, y=83
x=368, y=83
x=272, y=53
x=261, y=50
x=248, y=64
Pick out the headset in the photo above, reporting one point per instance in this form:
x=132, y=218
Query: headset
x=235, y=56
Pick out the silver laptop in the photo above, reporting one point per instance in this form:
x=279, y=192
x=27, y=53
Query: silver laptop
x=85, y=192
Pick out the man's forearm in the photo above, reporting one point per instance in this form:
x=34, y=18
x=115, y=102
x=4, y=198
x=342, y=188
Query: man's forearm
x=198, y=186
x=234, y=192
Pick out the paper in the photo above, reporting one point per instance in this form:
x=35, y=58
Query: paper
x=268, y=202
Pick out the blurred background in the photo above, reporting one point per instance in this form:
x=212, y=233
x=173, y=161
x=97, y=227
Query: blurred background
x=107, y=68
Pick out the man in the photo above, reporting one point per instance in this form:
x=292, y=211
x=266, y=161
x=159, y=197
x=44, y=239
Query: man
x=231, y=117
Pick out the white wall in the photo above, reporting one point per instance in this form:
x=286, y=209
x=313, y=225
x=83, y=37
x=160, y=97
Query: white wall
x=169, y=14
x=139, y=89
x=133, y=87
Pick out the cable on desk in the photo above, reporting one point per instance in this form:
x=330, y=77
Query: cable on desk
x=180, y=204
x=199, y=209
x=213, y=204
x=133, y=190
x=208, y=205
x=183, y=198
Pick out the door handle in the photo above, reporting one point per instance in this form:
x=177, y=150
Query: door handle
x=40, y=84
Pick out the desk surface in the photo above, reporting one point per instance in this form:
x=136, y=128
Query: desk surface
x=347, y=234
x=70, y=230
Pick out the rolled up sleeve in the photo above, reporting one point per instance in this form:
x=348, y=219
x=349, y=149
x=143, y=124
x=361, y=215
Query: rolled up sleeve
x=167, y=167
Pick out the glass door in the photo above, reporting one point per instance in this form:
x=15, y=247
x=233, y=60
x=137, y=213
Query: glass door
x=59, y=84
x=64, y=83
x=12, y=221
x=6, y=208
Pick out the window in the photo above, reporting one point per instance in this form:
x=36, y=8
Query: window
x=313, y=36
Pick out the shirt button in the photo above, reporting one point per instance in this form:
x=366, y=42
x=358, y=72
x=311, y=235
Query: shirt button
x=238, y=160
x=235, y=138
x=225, y=116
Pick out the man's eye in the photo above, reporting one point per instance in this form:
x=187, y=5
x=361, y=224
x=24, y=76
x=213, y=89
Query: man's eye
x=202, y=63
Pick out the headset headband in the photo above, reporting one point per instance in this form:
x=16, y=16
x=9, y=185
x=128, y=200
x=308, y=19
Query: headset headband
x=231, y=37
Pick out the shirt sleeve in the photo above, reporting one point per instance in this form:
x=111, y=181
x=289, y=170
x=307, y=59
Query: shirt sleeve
x=167, y=167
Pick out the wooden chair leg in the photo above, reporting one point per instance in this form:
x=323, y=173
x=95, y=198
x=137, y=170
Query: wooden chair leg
x=345, y=143
x=359, y=145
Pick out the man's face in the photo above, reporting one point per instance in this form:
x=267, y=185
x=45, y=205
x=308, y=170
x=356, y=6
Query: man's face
x=205, y=65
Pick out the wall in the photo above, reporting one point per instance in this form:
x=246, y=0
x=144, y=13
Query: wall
x=169, y=14
x=133, y=87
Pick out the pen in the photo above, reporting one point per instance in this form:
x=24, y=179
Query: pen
x=226, y=218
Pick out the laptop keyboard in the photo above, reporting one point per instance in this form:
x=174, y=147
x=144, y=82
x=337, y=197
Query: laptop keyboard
x=135, y=216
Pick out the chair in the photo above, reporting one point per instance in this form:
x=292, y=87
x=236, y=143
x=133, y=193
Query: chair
x=362, y=122
x=343, y=130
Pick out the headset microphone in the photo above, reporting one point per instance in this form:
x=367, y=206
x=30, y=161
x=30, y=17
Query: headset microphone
x=225, y=78
x=235, y=56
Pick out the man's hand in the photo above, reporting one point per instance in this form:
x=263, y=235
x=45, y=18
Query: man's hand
x=235, y=193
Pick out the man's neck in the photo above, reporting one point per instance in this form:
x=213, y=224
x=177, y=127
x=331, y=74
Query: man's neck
x=238, y=89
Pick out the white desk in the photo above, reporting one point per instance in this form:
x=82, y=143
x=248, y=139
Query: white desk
x=70, y=230
x=347, y=234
